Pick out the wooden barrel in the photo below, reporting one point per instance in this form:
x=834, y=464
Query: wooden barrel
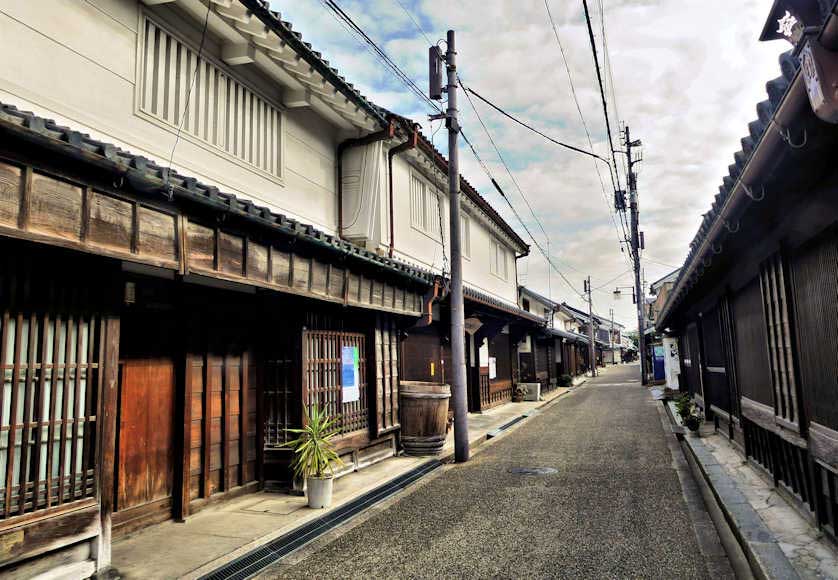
x=424, y=414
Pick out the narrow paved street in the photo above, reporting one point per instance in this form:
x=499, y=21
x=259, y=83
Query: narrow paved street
x=613, y=509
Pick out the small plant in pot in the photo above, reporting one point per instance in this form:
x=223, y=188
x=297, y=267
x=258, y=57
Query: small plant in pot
x=565, y=381
x=519, y=393
x=689, y=412
x=315, y=456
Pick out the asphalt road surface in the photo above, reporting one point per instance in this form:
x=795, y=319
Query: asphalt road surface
x=614, y=508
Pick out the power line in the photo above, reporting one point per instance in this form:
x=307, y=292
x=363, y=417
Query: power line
x=604, y=102
x=502, y=160
x=621, y=236
x=601, y=89
x=415, y=22
x=188, y=101
x=517, y=215
x=380, y=53
x=533, y=129
x=613, y=279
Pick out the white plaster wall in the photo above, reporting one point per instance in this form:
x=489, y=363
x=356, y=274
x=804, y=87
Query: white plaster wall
x=416, y=247
x=74, y=61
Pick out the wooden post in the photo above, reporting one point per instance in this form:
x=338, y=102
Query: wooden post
x=186, y=457
x=244, y=415
x=107, y=433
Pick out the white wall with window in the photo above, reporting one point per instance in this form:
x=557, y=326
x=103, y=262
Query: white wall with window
x=125, y=70
x=421, y=199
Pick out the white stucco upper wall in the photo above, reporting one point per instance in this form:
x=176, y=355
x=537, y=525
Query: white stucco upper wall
x=418, y=247
x=77, y=62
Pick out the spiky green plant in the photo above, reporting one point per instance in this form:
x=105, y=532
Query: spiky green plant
x=314, y=452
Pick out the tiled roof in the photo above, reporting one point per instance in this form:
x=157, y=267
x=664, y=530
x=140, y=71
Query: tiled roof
x=273, y=20
x=283, y=28
x=145, y=175
x=776, y=90
x=477, y=296
x=568, y=335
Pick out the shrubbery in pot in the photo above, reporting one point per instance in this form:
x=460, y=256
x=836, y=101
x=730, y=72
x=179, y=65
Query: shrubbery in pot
x=315, y=456
x=689, y=412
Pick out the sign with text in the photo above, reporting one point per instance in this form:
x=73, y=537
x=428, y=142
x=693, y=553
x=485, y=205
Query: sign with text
x=493, y=367
x=350, y=374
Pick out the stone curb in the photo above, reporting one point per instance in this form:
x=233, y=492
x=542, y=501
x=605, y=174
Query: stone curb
x=766, y=559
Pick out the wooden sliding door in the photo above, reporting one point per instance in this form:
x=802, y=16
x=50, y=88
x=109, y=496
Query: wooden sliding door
x=147, y=441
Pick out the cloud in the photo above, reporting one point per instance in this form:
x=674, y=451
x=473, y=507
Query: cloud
x=687, y=75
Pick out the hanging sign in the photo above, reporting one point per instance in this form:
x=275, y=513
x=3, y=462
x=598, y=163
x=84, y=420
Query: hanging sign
x=349, y=374
x=493, y=367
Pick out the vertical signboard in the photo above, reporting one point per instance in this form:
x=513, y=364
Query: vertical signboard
x=349, y=374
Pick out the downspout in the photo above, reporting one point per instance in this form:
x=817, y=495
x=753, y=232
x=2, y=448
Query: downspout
x=409, y=144
x=388, y=133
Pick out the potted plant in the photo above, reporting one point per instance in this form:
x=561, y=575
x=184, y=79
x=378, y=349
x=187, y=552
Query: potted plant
x=689, y=412
x=565, y=381
x=519, y=393
x=315, y=456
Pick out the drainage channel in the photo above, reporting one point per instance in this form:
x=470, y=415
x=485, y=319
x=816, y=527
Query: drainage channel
x=254, y=562
x=504, y=427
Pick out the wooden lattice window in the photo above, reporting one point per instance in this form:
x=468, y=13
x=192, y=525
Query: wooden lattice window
x=322, y=385
x=49, y=365
x=780, y=350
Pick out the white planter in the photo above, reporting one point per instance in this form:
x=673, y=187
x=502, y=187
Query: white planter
x=319, y=491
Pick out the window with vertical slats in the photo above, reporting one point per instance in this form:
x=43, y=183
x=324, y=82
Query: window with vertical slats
x=181, y=89
x=322, y=383
x=425, y=208
x=780, y=354
x=49, y=365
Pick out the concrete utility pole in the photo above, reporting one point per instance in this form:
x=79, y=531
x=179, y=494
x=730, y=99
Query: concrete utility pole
x=592, y=349
x=635, y=247
x=458, y=350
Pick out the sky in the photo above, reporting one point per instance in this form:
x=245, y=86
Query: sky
x=684, y=75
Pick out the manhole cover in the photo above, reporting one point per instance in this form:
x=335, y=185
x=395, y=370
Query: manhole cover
x=532, y=470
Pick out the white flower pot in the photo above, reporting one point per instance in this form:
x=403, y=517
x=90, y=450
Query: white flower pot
x=319, y=491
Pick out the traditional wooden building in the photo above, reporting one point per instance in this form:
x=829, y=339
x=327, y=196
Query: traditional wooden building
x=199, y=223
x=754, y=306
x=158, y=336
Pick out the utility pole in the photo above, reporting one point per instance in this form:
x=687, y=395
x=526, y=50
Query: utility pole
x=592, y=349
x=635, y=248
x=549, y=274
x=458, y=347
x=611, y=336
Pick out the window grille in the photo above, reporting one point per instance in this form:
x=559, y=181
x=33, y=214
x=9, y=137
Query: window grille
x=425, y=208
x=781, y=357
x=498, y=261
x=221, y=111
x=465, y=235
x=49, y=365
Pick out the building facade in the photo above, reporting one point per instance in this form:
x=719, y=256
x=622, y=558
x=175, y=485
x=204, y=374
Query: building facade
x=198, y=224
x=754, y=307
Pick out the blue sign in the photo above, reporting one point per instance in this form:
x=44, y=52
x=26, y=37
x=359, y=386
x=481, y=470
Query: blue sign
x=349, y=367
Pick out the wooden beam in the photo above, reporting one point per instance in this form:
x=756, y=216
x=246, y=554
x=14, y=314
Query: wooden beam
x=238, y=53
x=107, y=446
x=297, y=99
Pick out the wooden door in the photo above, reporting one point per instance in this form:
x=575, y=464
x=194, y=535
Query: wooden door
x=146, y=456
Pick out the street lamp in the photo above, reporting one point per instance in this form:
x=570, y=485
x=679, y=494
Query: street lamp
x=618, y=294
